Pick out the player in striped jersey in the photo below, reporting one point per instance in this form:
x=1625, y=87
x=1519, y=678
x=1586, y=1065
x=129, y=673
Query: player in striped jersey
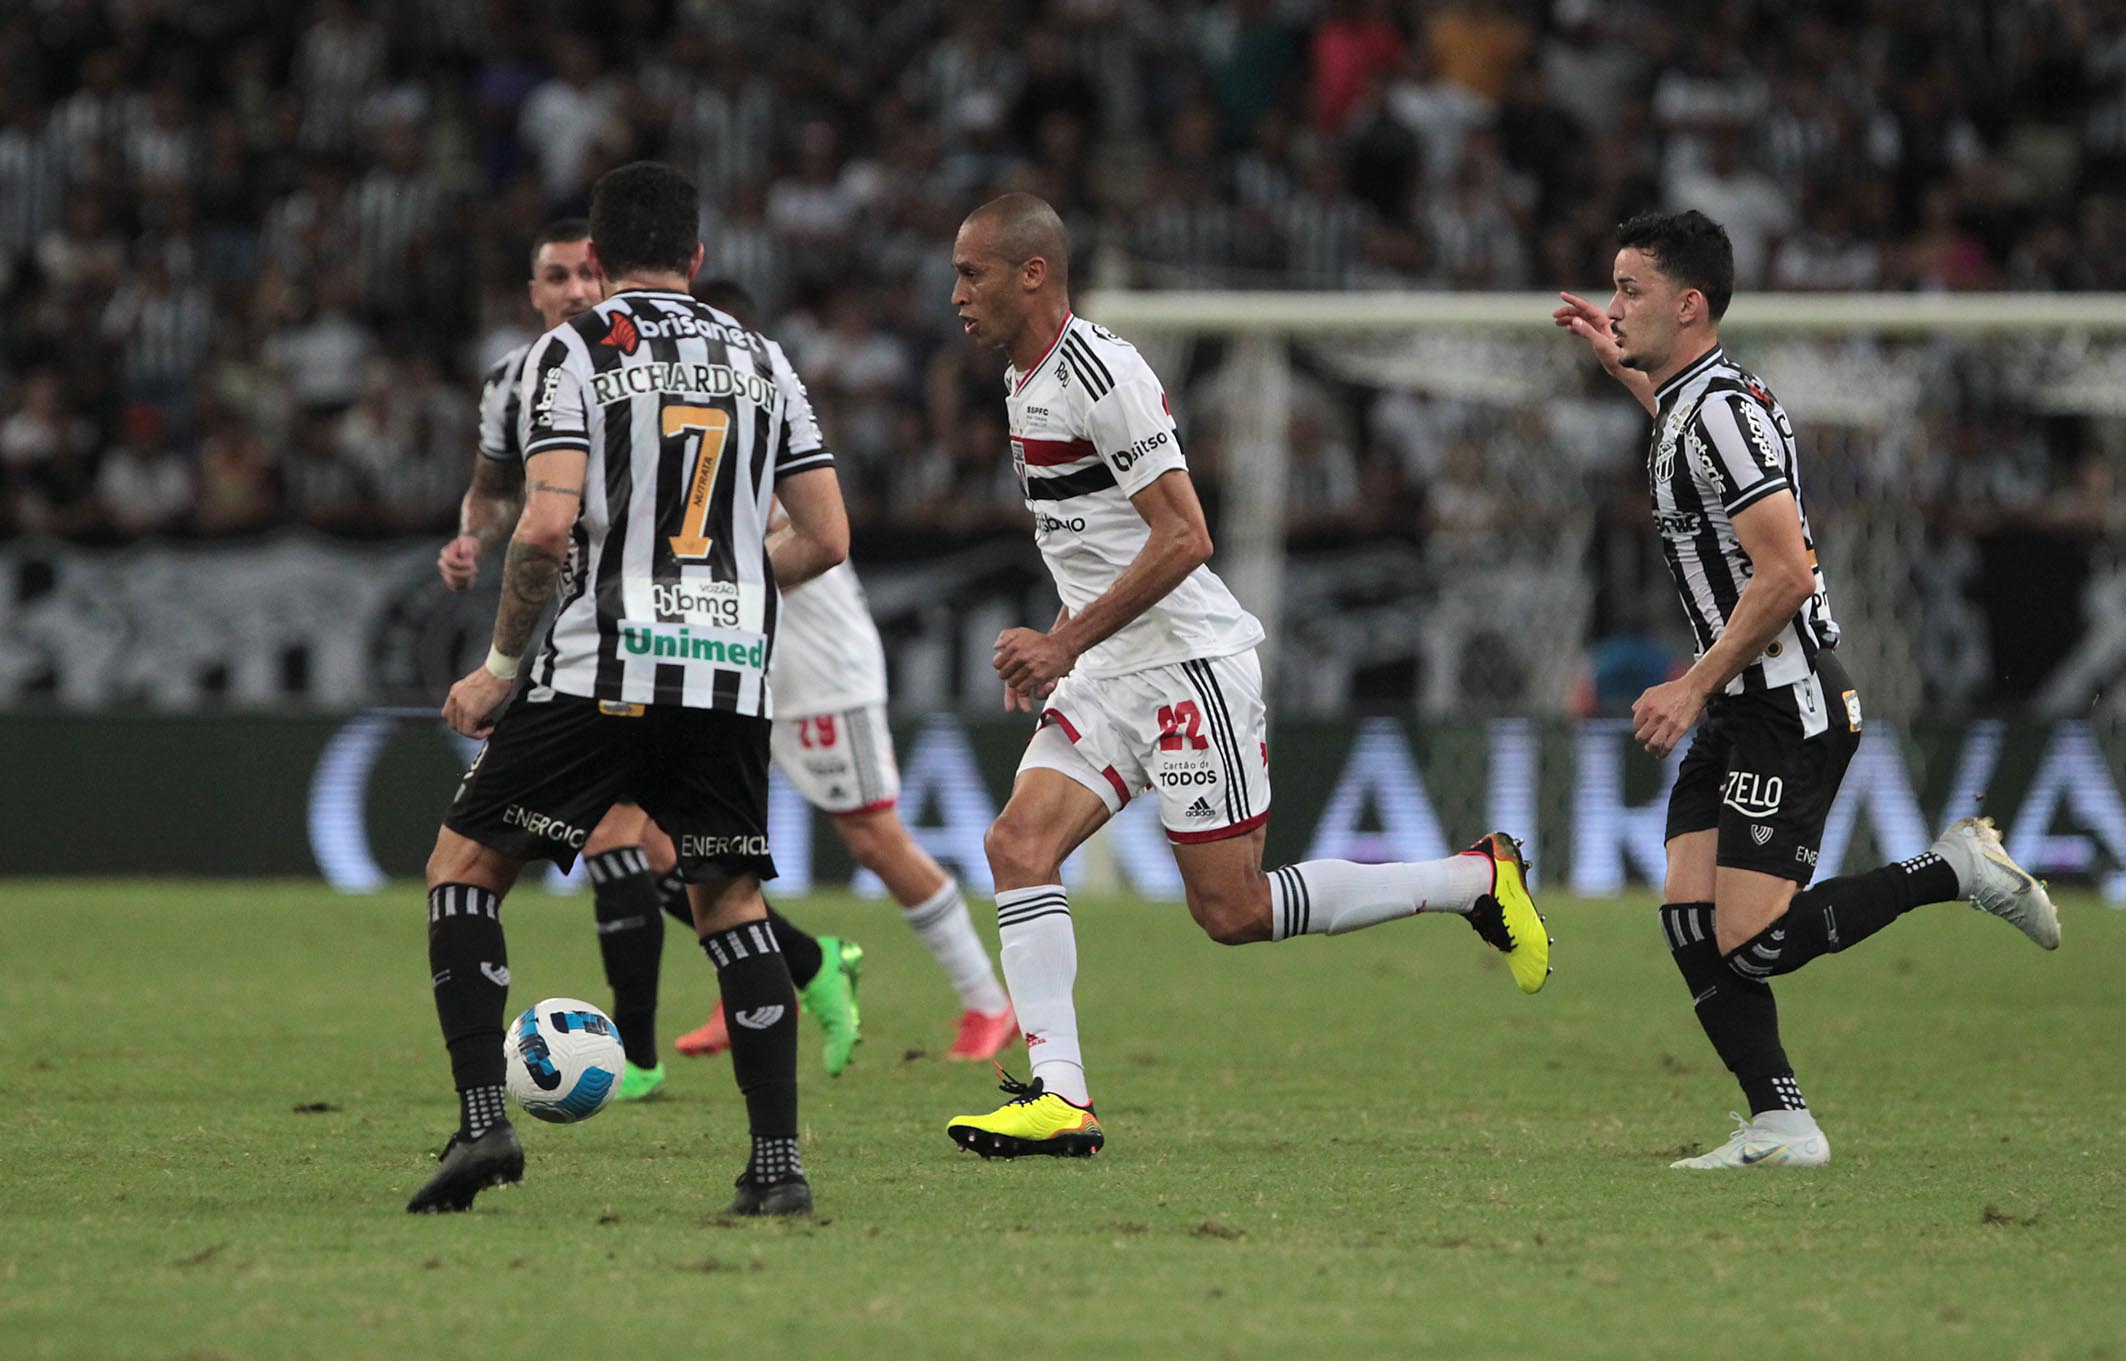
x=630, y=862
x=658, y=435
x=1780, y=716
x=1148, y=679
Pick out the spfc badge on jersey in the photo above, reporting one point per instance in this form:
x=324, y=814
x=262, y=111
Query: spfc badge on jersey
x=1018, y=464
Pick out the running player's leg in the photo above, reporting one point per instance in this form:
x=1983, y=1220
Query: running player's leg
x=545, y=776
x=1783, y=931
x=1210, y=765
x=630, y=938
x=468, y=962
x=1054, y=806
x=704, y=779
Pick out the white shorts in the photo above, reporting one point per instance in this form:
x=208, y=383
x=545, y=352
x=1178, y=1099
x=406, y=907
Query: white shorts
x=843, y=762
x=1194, y=731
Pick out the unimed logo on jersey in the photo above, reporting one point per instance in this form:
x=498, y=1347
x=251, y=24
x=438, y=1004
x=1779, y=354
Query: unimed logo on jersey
x=690, y=645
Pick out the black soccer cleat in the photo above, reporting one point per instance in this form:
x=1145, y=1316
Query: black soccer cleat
x=468, y=1167
x=775, y=1198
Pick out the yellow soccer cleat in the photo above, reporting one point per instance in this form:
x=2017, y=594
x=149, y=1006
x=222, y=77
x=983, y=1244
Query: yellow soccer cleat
x=1506, y=917
x=1033, y=1123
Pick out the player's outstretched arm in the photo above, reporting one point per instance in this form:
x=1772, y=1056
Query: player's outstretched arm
x=491, y=506
x=1179, y=543
x=817, y=536
x=553, y=494
x=1591, y=324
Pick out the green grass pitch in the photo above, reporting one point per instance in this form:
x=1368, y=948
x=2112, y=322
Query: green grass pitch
x=220, y=1096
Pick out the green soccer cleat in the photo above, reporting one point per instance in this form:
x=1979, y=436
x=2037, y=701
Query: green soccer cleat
x=853, y=961
x=831, y=999
x=640, y=1084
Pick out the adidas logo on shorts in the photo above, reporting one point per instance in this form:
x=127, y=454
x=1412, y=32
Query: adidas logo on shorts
x=1201, y=808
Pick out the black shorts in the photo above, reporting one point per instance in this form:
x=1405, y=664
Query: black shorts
x=1753, y=772
x=551, y=769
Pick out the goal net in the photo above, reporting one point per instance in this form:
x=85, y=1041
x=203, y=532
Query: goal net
x=1438, y=504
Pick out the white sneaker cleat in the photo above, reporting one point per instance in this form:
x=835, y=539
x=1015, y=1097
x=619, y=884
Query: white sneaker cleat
x=1754, y=1145
x=1995, y=884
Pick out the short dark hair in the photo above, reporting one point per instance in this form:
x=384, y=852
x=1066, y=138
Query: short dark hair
x=645, y=217
x=730, y=296
x=1688, y=247
x=560, y=229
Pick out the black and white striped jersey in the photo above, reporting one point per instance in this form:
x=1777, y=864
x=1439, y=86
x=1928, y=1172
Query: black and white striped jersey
x=1722, y=443
x=502, y=407
x=667, y=596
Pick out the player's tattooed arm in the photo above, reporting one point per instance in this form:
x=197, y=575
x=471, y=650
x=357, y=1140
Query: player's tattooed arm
x=491, y=502
x=530, y=573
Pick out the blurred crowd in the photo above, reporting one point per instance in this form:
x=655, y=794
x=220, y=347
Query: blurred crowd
x=253, y=253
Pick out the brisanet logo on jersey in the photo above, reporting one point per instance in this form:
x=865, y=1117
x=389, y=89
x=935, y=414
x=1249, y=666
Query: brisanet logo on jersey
x=665, y=642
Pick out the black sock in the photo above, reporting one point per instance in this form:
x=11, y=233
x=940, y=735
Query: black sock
x=479, y=1110
x=672, y=897
x=1838, y=914
x=1738, y=1014
x=469, y=965
x=801, y=951
x=761, y=1006
x=631, y=941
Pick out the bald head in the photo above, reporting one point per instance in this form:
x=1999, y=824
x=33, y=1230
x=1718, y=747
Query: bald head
x=1023, y=227
x=1012, y=266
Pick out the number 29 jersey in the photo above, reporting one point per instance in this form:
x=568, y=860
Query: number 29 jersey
x=667, y=596
x=1090, y=428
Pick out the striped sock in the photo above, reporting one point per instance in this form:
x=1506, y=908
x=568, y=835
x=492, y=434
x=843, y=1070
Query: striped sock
x=1040, y=956
x=942, y=923
x=1330, y=897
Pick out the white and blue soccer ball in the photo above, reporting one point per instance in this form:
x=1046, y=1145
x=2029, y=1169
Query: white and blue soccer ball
x=565, y=1061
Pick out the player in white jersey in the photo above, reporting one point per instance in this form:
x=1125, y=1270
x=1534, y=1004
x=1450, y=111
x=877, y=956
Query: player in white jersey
x=831, y=741
x=1147, y=680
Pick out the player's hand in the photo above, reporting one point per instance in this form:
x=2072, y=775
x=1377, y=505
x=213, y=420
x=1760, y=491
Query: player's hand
x=1591, y=324
x=1664, y=714
x=459, y=562
x=1016, y=699
x=475, y=702
x=1031, y=661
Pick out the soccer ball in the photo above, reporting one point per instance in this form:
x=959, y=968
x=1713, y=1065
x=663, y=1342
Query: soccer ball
x=564, y=1059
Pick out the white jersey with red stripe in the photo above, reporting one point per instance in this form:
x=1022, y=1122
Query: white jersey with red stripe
x=828, y=657
x=1090, y=428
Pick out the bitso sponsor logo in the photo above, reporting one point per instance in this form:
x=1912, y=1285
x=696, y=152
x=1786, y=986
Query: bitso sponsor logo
x=1124, y=458
x=544, y=827
x=1753, y=795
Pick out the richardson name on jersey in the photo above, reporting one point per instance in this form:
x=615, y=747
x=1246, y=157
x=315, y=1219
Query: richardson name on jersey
x=685, y=380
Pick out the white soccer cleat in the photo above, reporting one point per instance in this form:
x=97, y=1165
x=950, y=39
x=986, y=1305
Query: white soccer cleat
x=1752, y=1145
x=1996, y=884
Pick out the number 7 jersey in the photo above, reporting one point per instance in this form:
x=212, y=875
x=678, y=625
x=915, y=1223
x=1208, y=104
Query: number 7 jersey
x=684, y=415
x=1090, y=428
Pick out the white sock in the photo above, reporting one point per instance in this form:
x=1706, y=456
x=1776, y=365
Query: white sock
x=941, y=921
x=1040, y=956
x=1330, y=897
x=1789, y=1123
